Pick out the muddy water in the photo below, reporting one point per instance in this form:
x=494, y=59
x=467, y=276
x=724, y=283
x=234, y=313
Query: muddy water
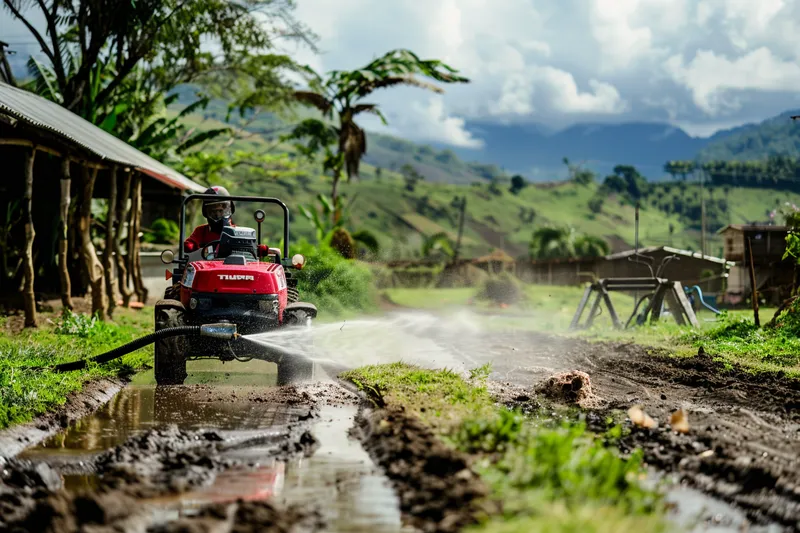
x=339, y=478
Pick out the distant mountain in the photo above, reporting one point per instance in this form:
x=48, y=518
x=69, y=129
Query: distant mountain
x=779, y=135
x=537, y=154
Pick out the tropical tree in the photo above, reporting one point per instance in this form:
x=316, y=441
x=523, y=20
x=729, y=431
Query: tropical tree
x=517, y=184
x=550, y=242
x=438, y=244
x=331, y=220
x=339, y=97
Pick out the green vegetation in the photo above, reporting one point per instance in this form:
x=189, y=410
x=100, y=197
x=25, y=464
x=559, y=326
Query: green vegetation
x=334, y=284
x=544, y=471
x=26, y=393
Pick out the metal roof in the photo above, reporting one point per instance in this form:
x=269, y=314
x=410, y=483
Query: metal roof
x=42, y=113
x=669, y=250
x=754, y=227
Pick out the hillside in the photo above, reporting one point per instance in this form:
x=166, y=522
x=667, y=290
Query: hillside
x=401, y=218
x=778, y=135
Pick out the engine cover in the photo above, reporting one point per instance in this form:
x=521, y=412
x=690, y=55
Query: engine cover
x=253, y=281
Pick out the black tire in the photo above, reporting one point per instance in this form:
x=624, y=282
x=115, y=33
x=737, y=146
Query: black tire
x=298, y=369
x=170, y=360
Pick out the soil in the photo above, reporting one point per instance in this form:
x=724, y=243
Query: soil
x=438, y=490
x=743, y=442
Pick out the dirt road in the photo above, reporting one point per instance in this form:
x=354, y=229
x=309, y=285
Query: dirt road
x=240, y=457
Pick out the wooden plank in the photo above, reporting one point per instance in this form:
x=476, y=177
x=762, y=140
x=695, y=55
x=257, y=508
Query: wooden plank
x=677, y=287
x=581, y=306
x=674, y=306
x=610, y=305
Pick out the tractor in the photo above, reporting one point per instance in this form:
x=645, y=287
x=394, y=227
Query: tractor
x=234, y=280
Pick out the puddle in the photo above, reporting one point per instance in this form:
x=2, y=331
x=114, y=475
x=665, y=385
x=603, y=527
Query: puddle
x=340, y=477
x=695, y=512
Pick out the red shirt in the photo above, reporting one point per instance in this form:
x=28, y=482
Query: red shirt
x=200, y=237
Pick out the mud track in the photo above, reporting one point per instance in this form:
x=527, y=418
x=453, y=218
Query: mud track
x=163, y=462
x=743, y=445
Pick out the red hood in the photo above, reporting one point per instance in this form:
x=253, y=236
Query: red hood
x=252, y=278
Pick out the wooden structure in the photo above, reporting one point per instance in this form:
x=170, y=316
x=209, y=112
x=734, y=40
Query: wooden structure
x=495, y=262
x=775, y=277
x=55, y=164
x=660, y=291
x=690, y=268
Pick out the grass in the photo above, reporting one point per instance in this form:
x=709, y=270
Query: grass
x=731, y=337
x=550, y=475
x=26, y=393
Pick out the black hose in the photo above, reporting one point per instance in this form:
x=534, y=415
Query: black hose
x=125, y=349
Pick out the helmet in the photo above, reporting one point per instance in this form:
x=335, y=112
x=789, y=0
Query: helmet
x=217, y=210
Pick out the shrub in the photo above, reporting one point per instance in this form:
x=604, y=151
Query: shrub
x=331, y=282
x=162, y=231
x=501, y=289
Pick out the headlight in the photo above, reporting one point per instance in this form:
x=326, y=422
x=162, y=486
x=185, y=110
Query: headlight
x=188, y=277
x=298, y=261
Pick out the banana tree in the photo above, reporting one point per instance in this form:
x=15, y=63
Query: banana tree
x=338, y=96
x=335, y=215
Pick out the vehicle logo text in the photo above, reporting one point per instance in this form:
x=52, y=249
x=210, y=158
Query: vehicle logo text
x=236, y=277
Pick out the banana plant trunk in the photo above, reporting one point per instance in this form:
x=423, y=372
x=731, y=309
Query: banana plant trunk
x=122, y=216
x=63, y=236
x=108, y=251
x=93, y=266
x=29, y=299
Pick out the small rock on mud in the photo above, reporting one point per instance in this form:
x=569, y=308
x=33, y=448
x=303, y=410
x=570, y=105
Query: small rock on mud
x=572, y=387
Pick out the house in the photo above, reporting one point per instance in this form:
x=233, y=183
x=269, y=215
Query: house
x=775, y=276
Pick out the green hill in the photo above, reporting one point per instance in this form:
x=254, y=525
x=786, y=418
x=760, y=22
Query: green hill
x=778, y=135
x=496, y=218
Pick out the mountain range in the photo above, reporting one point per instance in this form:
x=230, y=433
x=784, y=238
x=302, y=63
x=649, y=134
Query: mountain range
x=537, y=153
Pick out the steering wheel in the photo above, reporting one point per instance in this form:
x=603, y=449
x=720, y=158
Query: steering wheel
x=210, y=255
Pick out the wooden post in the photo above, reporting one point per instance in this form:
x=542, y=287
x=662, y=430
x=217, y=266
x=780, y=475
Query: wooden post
x=108, y=251
x=135, y=264
x=28, y=296
x=122, y=217
x=63, y=237
x=462, y=214
x=752, y=269
x=94, y=269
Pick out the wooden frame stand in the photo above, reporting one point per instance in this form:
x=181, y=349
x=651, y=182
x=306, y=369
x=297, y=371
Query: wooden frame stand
x=659, y=290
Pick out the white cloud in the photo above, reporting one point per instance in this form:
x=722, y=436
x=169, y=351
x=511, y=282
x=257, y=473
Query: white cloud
x=711, y=78
x=436, y=125
x=691, y=62
x=567, y=98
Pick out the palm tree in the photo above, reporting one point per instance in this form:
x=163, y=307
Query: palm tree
x=552, y=243
x=339, y=98
x=590, y=246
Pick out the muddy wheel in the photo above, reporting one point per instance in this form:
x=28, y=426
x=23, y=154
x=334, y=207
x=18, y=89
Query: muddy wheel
x=297, y=369
x=170, y=361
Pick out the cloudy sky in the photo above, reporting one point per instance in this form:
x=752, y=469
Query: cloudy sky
x=699, y=64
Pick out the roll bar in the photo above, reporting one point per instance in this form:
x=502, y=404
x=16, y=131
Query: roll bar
x=254, y=199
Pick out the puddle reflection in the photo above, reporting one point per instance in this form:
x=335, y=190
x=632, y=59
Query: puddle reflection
x=340, y=476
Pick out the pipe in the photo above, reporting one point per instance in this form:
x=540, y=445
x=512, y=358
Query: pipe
x=217, y=331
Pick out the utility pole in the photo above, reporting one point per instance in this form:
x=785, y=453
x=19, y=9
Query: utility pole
x=463, y=208
x=5, y=68
x=702, y=213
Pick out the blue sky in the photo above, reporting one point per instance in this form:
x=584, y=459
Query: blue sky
x=702, y=65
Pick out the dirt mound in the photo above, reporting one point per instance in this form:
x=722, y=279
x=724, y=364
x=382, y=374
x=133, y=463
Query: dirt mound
x=572, y=387
x=437, y=488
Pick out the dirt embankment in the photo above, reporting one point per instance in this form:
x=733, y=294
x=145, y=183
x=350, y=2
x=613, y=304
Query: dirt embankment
x=438, y=490
x=743, y=439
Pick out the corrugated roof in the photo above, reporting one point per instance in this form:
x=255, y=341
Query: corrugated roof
x=42, y=113
x=754, y=227
x=669, y=250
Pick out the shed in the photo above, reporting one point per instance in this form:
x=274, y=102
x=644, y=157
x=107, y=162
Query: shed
x=496, y=261
x=64, y=152
x=775, y=276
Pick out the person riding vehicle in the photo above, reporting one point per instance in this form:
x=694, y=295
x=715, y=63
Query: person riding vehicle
x=218, y=214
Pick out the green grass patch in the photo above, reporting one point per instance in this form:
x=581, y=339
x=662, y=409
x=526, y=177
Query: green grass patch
x=548, y=473
x=26, y=393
